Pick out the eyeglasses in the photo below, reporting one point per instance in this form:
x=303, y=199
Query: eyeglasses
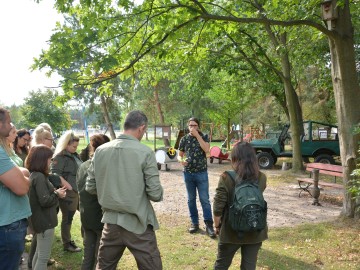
x=26, y=140
x=193, y=125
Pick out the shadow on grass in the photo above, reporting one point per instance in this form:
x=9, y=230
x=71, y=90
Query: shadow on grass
x=280, y=261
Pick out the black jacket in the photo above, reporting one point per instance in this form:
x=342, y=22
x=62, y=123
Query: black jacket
x=43, y=203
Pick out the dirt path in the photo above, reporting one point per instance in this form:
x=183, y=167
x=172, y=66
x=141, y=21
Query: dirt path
x=285, y=206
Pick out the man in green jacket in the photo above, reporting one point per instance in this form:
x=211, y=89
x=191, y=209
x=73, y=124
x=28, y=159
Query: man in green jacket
x=125, y=177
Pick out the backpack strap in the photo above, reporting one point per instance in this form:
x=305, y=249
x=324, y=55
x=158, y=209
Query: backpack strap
x=232, y=175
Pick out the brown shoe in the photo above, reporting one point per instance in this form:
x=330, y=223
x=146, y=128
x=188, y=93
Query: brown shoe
x=72, y=247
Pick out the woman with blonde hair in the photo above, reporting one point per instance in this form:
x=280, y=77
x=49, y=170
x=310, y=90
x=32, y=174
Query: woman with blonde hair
x=65, y=164
x=41, y=135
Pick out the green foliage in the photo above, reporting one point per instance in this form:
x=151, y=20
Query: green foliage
x=16, y=117
x=354, y=183
x=39, y=108
x=211, y=62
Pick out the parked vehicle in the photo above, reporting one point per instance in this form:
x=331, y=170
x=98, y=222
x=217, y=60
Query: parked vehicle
x=319, y=141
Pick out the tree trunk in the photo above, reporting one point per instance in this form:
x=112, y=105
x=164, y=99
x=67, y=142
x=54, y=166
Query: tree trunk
x=292, y=100
x=347, y=97
x=107, y=117
x=161, y=115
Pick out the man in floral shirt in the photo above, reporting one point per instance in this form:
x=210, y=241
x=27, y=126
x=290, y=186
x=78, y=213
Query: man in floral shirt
x=192, y=155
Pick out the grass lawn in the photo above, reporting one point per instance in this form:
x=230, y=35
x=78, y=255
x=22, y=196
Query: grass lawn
x=330, y=245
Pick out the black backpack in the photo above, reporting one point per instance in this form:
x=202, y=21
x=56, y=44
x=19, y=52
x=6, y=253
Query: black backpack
x=248, y=210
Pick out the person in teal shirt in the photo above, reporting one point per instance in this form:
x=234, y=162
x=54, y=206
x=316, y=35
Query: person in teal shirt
x=15, y=207
x=125, y=176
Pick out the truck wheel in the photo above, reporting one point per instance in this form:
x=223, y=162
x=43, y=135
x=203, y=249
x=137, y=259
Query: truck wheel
x=211, y=159
x=275, y=159
x=266, y=160
x=324, y=158
x=159, y=166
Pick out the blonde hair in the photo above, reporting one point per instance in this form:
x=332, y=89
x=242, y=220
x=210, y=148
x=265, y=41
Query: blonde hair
x=46, y=126
x=67, y=138
x=39, y=134
x=6, y=144
x=7, y=147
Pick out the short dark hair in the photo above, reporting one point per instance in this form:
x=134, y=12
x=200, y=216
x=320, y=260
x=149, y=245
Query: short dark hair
x=97, y=140
x=37, y=159
x=195, y=120
x=135, y=119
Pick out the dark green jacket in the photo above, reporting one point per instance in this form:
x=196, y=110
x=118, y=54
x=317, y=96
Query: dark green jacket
x=64, y=164
x=90, y=209
x=223, y=198
x=43, y=203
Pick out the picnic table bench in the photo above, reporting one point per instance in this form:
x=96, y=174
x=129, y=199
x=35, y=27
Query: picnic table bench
x=315, y=169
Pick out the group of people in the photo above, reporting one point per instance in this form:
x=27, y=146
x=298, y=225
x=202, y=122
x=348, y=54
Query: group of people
x=113, y=191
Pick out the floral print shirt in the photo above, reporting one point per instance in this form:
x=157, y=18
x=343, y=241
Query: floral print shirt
x=194, y=154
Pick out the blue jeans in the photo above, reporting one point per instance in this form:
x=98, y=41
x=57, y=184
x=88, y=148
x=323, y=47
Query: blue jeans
x=200, y=182
x=12, y=244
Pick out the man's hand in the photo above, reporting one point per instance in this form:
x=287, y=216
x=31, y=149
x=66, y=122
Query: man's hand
x=194, y=132
x=182, y=158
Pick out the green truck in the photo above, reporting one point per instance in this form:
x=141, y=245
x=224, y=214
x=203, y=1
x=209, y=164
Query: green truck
x=319, y=141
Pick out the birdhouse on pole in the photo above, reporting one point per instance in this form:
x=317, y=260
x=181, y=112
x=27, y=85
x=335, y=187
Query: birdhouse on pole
x=329, y=12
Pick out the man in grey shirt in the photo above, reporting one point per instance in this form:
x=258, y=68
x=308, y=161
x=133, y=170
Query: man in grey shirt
x=124, y=174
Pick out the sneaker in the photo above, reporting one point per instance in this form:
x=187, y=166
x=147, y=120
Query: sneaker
x=72, y=247
x=194, y=228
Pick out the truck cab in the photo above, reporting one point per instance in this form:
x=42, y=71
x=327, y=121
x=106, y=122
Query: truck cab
x=319, y=141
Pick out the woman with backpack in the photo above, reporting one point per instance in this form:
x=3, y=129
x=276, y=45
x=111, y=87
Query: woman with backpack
x=246, y=172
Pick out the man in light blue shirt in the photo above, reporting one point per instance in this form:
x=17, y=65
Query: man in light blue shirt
x=14, y=202
x=124, y=174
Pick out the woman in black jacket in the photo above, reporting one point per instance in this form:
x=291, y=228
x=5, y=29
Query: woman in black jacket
x=43, y=202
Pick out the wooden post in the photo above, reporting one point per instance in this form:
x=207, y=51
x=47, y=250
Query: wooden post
x=316, y=189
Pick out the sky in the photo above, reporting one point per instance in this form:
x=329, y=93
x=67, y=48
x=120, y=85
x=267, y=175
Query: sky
x=25, y=28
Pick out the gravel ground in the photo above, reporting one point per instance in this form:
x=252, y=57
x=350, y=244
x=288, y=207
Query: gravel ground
x=285, y=206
